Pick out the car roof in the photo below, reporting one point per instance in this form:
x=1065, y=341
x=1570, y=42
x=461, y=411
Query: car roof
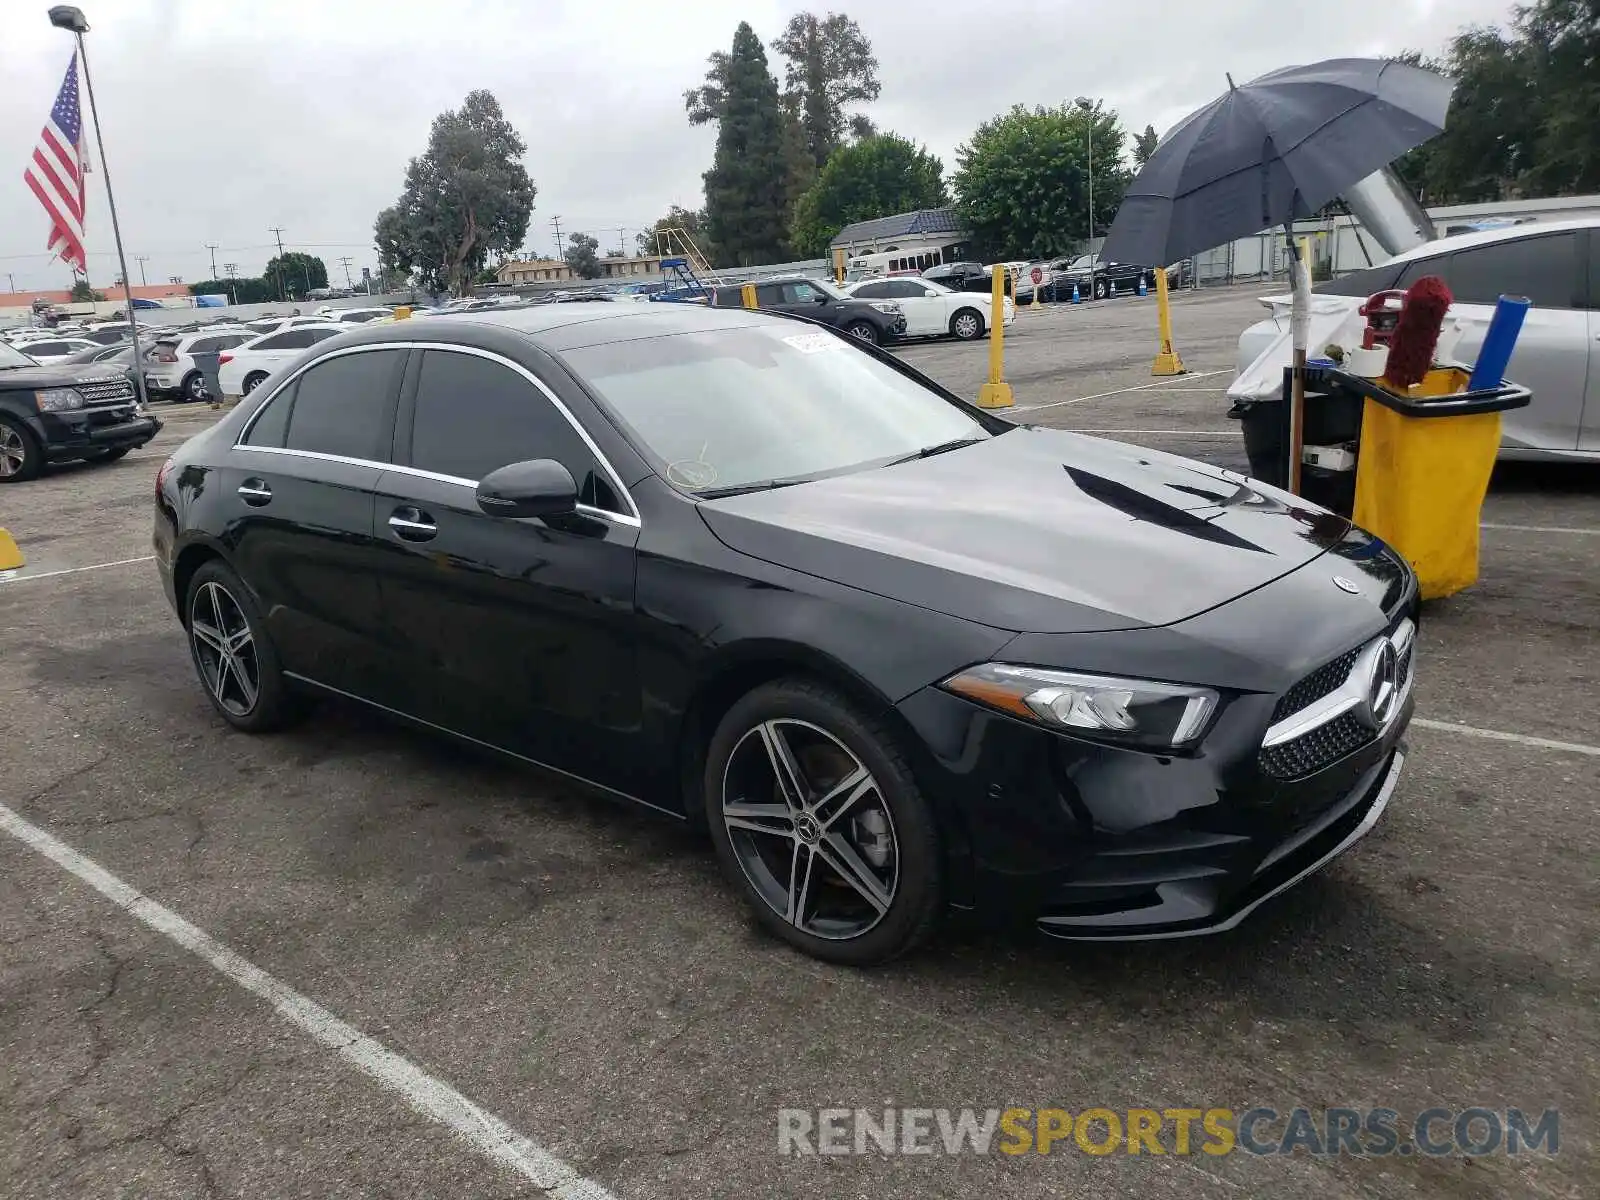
x=1485, y=237
x=559, y=327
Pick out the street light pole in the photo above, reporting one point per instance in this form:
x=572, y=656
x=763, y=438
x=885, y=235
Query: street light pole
x=64, y=16
x=1088, y=107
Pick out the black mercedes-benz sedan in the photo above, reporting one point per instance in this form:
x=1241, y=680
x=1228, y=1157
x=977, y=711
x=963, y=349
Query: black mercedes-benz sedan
x=895, y=654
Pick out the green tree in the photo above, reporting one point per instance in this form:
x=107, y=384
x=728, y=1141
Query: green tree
x=583, y=256
x=466, y=197
x=83, y=293
x=829, y=66
x=747, y=188
x=1021, y=180
x=874, y=177
x=1144, y=145
x=294, y=274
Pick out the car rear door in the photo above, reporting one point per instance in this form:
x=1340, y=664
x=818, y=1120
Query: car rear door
x=517, y=632
x=1589, y=431
x=299, y=488
x=1553, y=350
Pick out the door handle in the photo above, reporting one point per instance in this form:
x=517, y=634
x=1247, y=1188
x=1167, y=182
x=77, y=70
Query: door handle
x=255, y=492
x=411, y=524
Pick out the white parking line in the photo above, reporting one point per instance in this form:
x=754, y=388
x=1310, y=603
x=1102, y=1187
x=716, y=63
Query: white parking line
x=432, y=1097
x=1143, y=387
x=1542, y=529
x=1495, y=735
x=21, y=575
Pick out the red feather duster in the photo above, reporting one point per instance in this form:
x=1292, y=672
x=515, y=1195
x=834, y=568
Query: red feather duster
x=1416, y=334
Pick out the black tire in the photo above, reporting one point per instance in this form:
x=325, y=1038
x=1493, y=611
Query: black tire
x=966, y=324
x=865, y=330
x=253, y=381
x=272, y=705
x=20, y=456
x=886, y=816
x=193, y=387
x=1101, y=289
x=108, y=456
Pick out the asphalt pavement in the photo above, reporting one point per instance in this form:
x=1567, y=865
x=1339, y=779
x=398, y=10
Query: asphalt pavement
x=349, y=960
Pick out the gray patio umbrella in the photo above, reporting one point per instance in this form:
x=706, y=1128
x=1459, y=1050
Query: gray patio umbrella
x=1268, y=153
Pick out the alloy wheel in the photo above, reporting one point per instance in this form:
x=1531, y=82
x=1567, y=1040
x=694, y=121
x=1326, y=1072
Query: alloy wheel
x=966, y=326
x=225, y=649
x=13, y=452
x=810, y=829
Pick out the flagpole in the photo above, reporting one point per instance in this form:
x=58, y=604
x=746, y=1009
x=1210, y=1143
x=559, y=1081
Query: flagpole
x=73, y=19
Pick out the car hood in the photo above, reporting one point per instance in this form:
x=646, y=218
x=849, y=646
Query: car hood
x=1037, y=531
x=49, y=375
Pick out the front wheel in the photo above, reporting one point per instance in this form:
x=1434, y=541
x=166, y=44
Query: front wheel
x=1101, y=289
x=865, y=330
x=236, y=661
x=20, y=457
x=967, y=325
x=818, y=823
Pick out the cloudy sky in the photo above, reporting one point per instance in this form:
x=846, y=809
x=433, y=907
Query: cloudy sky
x=224, y=118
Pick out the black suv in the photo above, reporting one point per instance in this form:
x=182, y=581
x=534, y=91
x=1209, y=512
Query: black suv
x=875, y=321
x=60, y=412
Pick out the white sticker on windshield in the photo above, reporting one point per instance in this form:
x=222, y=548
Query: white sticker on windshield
x=814, y=343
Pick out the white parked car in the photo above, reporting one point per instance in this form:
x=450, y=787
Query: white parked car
x=933, y=310
x=245, y=366
x=49, y=349
x=169, y=365
x=354, y=316
x=1556, y=264
x=265, y=325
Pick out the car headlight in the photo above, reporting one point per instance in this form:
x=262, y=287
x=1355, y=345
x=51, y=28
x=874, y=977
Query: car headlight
x=58, y=399
x=886, y=306
x=1137, y=712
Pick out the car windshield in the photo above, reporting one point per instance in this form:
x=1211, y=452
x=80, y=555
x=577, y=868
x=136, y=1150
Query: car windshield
x=1082, y=263
x=766, y=405
x=11, y=358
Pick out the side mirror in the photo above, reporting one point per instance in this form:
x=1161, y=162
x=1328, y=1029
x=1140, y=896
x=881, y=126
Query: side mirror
x=540, y=487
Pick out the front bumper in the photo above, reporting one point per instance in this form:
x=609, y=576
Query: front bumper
x=77, y=433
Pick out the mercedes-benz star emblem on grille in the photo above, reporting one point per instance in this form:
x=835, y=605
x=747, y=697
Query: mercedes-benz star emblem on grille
x=1383, y=686
x=1344, y=585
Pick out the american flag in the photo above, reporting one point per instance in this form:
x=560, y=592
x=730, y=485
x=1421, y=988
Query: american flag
x=57, y=172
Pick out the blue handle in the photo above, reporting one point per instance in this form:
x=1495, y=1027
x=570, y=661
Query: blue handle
x=1499, y=342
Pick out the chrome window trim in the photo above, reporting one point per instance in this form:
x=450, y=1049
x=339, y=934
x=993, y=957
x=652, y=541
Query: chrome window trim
x=631, y=517
x=1350, y=693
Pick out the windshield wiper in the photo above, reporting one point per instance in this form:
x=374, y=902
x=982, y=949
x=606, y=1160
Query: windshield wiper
x=739, y=489
x=930, y=451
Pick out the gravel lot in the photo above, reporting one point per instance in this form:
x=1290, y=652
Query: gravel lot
x=578, y=971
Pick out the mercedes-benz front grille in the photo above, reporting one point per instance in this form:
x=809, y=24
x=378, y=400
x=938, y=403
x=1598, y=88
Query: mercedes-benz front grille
x=1341, y=706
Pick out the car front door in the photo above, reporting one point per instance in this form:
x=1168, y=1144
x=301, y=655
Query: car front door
x=299, y=487
x=1553, y=350
x=516, y=632
x=924, y=307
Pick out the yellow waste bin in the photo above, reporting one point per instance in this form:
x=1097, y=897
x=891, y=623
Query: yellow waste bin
x=1424, y=467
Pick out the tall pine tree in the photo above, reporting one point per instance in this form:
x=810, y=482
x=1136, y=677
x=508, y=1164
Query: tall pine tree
x=747, y=187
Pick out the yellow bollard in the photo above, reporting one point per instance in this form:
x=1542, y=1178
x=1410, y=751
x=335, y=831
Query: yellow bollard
x=401, y=313
x=747, y=295
x=1167, y=360
x=838, y=264
x=10, y=556
x=996, y=393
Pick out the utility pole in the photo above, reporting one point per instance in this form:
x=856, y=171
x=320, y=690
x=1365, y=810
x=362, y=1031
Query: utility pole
x=141, y=259
x=233, y=273
x=277, y=232
x=344, y=261
x=212, y=246
x=622, y=246
x=12, y=279
x=175, y=279
x=556, y=222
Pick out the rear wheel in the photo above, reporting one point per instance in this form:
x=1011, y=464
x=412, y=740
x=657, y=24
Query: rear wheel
x=967, y=324
x=818, y=823
x=194, y=387
x=253, y=381
x=865, y=330
x=1101, y=289
x=20, y=456
x=235, y=659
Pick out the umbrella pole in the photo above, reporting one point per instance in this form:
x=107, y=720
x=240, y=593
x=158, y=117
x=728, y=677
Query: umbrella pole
x=1299, y=322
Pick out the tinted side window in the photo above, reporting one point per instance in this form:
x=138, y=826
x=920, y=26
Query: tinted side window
x=204, y=345
x=269, y=426
x=1544, y=269
x=872, y=291
x=313, y=336
x=474, y=415
x=1362, y=283
x=276, y=342
x=1419, y=268
x=800, y=293
x=341, y=406
x=769, y=294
